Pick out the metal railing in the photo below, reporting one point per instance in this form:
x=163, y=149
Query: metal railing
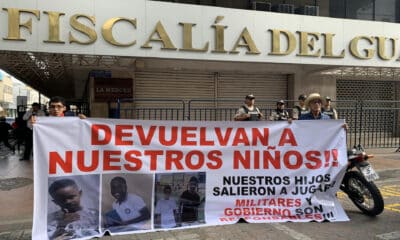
x=379, y=123
x=222, y=109
x=150, y=109
x=374, y=124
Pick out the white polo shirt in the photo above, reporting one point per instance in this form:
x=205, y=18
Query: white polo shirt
x=130, y=208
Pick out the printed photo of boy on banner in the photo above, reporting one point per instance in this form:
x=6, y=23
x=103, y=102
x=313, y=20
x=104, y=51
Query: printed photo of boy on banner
x=73, y=207
x=126, y=202
x=126, y=176
x=179, y=199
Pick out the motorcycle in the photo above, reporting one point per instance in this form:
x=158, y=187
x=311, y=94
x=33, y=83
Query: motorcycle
x=359, y=184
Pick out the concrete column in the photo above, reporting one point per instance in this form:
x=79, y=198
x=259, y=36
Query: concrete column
x=305, y=81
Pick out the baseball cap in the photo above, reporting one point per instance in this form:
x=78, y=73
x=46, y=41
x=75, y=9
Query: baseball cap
x=250, y=96
x=302, y=97
x=280, y=102
x=327, y=98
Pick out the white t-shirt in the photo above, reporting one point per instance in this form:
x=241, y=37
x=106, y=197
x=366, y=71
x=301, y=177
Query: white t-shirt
x=166, y=208
x=130, y=208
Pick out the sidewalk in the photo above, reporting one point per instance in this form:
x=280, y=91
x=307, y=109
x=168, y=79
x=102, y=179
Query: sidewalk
x=16, y=189
x=16, y=196
x=384, y=158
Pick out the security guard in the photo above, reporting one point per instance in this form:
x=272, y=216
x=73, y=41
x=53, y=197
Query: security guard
x=328, y=109
x=248, y=112
x=300, y=109
x=280, y=114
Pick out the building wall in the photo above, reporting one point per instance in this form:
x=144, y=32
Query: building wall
x=187, y=80
x=6, y=93
x=302, y=72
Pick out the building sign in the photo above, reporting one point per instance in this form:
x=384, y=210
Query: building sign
x=110, y=89
x=144, y=29
x=130, y=176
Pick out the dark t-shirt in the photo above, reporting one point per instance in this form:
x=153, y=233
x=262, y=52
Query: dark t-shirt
x=189, y=206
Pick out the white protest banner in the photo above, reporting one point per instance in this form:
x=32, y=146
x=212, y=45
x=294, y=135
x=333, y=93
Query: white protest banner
x=126, y=176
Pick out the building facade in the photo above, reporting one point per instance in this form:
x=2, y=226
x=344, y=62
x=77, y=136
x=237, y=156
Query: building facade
x=6, y=93
x=97, y=51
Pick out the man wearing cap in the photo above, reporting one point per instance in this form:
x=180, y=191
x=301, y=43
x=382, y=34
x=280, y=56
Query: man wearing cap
x=248, y=112
x=328, y=109
x=300, y=109
x=280, y=114
x=314, y=103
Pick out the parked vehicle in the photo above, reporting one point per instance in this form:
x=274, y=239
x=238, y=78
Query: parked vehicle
x=358, y=182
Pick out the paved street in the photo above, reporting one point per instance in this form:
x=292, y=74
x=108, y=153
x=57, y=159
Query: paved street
x=16, y=199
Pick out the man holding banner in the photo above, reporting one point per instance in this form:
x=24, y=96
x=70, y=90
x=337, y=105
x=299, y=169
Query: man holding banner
x=314, y=103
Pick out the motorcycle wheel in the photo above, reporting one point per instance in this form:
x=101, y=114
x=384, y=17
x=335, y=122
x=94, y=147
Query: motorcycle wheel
x=365, y=195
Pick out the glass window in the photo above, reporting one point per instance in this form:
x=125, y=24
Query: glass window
x=337, y=8
x=355, y=9
x=360, y=9
x=397, y=11
x=385, y=10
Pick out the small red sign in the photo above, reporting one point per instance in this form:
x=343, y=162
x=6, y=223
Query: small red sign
x=110, y=89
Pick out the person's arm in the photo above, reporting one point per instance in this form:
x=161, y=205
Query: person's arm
x=41, y=113
x=192, y=202
x=260, y=115
x=33, y=119
x=58, y=231
x=27, y=115
x=157, y=214
x=177, y=218
x=241, y=115
x=335, y=116
x=32, y=116
x=144, y=215
x=295, y=114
